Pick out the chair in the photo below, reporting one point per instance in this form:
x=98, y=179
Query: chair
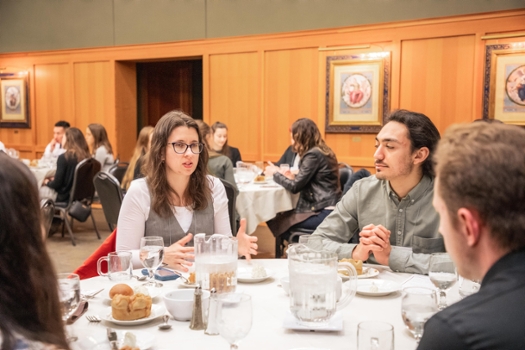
x=47, y=207
x=345, y=172
x=118, y=170
x=82, y=191
x=88, y=268
x=232, y=197
x=110, y=196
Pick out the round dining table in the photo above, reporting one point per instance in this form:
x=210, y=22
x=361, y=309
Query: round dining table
x=260, y=202
x=270, y=309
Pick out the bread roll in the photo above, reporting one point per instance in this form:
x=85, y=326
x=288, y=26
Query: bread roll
x=357, y=264
x=122, y=289
x=129, y=308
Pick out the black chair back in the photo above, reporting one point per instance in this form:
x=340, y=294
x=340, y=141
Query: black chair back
x=83, y=189
x=232, y=197
x=47, y=207
x=118, y=170
x=345, y=171
x=110, y=195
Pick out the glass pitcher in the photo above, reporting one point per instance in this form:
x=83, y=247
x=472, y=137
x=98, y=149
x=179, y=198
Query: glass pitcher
x=313, y=285
x=216, y=262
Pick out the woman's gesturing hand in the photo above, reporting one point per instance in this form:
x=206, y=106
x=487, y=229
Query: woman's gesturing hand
x=247, y=245
x=177, y=254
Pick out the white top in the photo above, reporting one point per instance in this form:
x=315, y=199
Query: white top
x=2, y=147
x=104, y=158
x=55, y=152
x=136, y=207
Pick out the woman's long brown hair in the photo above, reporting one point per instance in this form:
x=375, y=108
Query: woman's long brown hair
x=100, y=137
x=29, y=302
x=140, y=151
x=198, y=193
x=306, y=136
x=225, y=149
x=76, y=145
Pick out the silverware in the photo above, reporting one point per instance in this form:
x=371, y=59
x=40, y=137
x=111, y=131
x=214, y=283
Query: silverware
x=93, y=318
x=165, y=325
x=112, y=337
x=92, y=294
x=140, y=278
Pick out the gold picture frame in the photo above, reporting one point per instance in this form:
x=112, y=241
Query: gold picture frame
x=357, y=92
x=14, y=100
x=504, y=83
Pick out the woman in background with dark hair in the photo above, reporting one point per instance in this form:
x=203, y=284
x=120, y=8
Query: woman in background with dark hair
x=135, y=164
x=219, y=143
x=30, y=310
x=77, y=150
x=177, y=198
x=317, y=180
x=98, y=142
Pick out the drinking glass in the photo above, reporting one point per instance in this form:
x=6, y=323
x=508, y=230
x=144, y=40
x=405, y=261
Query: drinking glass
x=442, y=273
x=417, y=306
x=260, y=167
x=151, y=255
x=284, y=168
x=69, y=293
x=468, y=287
x=234, y=317
x=373, y=335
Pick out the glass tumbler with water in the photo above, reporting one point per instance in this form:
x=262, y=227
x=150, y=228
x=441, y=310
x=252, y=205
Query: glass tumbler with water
x=442, y=273
x=69, y=293
x=151, y=255
x=234, y=317
x=314, y=285
x=374, y=335
x=418, y=304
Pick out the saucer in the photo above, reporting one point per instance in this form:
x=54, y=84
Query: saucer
x=384, y=287
x=334, y=325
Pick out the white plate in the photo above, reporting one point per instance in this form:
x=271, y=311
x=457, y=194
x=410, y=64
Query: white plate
x=384, y=287
x=334, y=325
x=153, y=292
x=187, y=285
x=156, y=311
x=244, y=274
x=368, y=272
x=99, y=341
x=260, y=182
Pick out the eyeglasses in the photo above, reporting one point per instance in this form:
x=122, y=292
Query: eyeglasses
x=181, y=147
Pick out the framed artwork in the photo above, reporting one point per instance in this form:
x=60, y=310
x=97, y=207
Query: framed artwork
x=357, y=92
x=14, y=110
x=504, y=84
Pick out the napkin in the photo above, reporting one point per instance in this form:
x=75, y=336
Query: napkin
x=81, y=309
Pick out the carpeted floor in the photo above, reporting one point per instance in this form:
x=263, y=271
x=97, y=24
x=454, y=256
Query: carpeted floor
x=67, y=257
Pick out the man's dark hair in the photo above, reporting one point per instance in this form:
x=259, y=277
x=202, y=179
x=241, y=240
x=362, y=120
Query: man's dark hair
x=421, y=132
x=63, y=124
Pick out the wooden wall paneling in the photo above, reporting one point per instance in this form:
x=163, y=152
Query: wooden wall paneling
x=234, y=99
x=53, y=100
x=94, y=98
x=437, y=78
x=125, y=108
x=290, y=87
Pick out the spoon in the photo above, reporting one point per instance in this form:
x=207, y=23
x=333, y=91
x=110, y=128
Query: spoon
x=165, y=325
x=140, y=278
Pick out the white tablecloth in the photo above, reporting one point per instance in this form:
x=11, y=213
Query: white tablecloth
x=260, y=203
x=270, y=305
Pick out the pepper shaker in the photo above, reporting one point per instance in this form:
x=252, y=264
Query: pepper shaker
x=197, y=321
x=212, y=328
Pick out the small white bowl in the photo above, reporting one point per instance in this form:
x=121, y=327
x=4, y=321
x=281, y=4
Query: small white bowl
x=179, y=303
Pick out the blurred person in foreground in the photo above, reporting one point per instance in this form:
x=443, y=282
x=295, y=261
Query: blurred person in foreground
x=30, y=310
x=480, y=197
x=54, y=148
x=135, y=164
x=177, y=198
x=391, y=211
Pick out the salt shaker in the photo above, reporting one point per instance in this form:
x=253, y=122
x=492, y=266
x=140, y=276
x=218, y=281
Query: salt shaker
x=197, y=321
x=212, y=328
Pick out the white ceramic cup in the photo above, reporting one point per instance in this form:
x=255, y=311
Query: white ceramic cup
x=179, y=303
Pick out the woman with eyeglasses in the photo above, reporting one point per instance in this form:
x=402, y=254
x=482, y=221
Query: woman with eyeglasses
x=177, y=198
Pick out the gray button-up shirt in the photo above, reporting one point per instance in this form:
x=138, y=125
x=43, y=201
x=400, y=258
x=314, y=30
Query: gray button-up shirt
x=412, y=221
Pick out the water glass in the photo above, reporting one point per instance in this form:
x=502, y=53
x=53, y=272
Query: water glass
x=234, y=317
x=284, y=168
x=442, y=273
x=260, y=167
x=151, y=255
x=417, y=306
x=373, y=335
x=69, y=293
